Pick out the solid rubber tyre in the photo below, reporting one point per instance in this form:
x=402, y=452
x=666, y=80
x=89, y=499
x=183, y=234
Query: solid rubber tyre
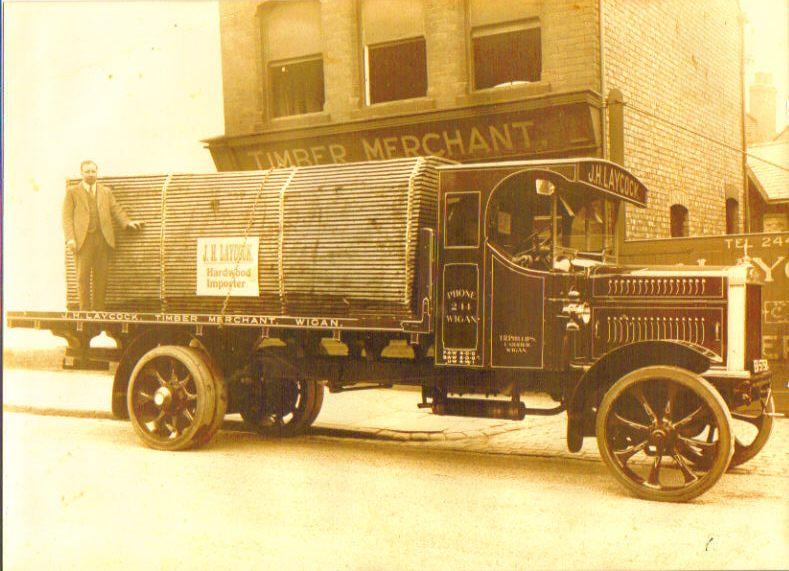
x=628, y=425
x=295, y=413
x=220, y=408
x=744, y=452
x=172, y=398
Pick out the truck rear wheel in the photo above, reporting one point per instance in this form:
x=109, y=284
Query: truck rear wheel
x=648, y=432
x=175, y=401
x=281, y=407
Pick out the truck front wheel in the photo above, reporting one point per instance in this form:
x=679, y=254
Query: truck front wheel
x=652, y=426
x=175, y=398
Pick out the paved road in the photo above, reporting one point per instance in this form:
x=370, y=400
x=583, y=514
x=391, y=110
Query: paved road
x=83, y=494
x=380, y=414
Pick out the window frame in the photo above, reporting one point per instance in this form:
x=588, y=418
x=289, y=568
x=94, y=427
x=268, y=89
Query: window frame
x=366, y=70
x=496, y=29
x=447, y=196
x=270, y=84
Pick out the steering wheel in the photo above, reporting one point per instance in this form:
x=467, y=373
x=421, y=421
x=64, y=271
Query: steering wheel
x=538, y=253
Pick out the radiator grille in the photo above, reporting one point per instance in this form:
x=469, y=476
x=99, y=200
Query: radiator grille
x=703, y=328
x=649, y=286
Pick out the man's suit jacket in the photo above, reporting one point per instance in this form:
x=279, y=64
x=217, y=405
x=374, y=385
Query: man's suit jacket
x=76, y=213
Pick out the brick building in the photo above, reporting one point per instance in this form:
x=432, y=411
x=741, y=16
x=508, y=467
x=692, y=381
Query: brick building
x=308, y=81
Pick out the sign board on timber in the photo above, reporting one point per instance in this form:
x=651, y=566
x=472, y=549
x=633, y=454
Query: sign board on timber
x=228, y=266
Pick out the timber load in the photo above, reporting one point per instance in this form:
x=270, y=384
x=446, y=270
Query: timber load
x=332, y=240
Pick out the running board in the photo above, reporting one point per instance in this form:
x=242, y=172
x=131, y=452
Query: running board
x=359, y=387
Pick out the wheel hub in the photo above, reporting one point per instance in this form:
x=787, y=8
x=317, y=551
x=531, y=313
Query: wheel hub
x=662, y=438
x=163, y=398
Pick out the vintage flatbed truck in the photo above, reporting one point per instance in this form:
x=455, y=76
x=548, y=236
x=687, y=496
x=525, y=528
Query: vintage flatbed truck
x=252, y=291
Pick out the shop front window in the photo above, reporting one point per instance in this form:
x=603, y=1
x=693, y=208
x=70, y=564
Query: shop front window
x=506, y=54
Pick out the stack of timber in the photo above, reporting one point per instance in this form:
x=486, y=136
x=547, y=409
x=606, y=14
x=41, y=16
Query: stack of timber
x=334, y=240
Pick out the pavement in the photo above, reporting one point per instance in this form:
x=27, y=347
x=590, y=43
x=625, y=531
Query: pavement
x=381, y=414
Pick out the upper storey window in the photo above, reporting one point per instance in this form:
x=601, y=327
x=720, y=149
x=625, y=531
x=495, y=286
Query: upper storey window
x=395, y=51
x=505, y=55
x=506, y=44
x=292, y=51
x=296, y=87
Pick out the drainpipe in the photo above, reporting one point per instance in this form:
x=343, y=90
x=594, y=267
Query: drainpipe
x=746, y=202
x=601, y=43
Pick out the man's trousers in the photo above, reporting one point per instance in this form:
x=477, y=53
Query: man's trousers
x=92, y=258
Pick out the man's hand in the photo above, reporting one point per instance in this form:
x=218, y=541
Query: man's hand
x=135, y=224
x=71, y=245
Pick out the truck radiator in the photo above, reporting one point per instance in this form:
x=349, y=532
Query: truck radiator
x=704, y=328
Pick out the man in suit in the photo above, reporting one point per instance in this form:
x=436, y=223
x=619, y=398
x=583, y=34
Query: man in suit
x=88, y=212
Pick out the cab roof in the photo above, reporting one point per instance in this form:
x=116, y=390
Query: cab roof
x=598, y=174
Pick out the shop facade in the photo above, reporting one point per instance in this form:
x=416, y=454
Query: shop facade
x=316, y=82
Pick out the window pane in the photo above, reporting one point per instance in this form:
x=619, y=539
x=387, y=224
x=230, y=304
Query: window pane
x=587, y=232
x=296, y=87
x=462, y=220
x=397, y=71
x=507, y=57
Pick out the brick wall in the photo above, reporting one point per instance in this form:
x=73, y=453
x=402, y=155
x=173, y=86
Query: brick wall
x=241, y=74
x=569, y=43
x=680, y=62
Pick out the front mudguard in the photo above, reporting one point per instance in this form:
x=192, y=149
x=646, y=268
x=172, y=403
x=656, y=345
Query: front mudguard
x=590, y=388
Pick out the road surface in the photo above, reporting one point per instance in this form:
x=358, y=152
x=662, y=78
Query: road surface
x=84, y=494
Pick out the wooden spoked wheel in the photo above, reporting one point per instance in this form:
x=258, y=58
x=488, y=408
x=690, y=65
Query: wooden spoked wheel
x=176, y=398
x=281, y=406
x=751, y=428
x=652, y=427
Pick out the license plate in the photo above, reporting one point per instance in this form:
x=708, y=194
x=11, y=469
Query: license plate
x=761, y=366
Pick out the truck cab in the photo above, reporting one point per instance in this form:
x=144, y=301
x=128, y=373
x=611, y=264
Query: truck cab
x=518, y=243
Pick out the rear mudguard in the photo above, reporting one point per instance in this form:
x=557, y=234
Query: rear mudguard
x=143, y=342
